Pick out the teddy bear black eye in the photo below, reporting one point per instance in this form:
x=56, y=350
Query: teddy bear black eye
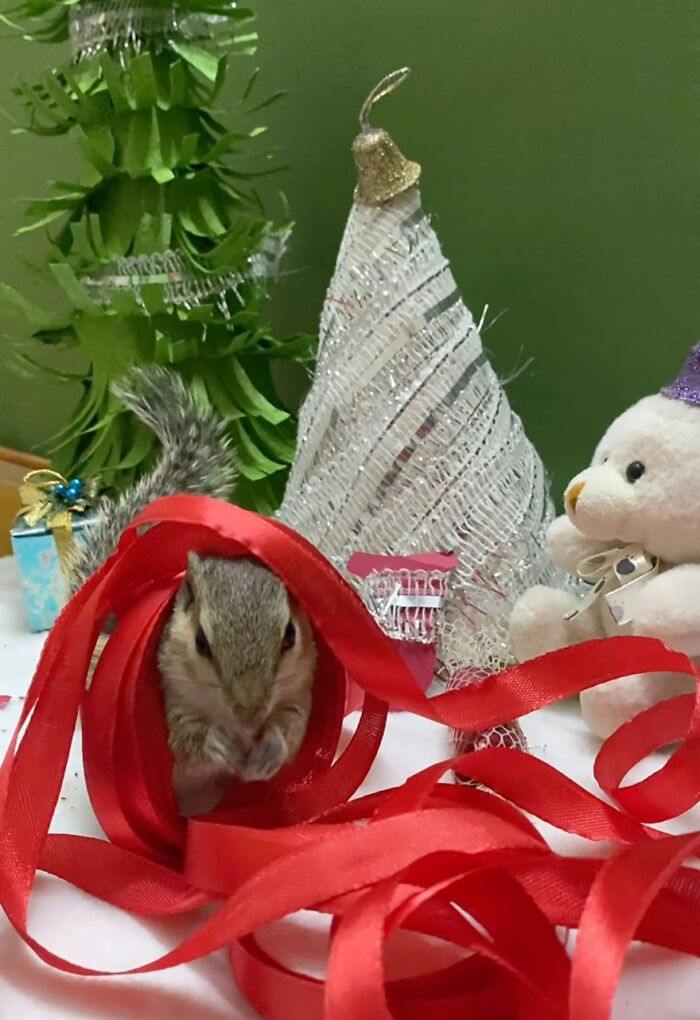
x=634, y=471
x=202, y=644
x=290, y=636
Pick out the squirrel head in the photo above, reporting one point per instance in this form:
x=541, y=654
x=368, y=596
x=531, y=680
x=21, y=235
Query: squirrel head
x=243, y=638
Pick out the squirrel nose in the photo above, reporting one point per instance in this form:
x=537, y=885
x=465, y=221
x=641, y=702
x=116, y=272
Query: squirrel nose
x=250, y=713
x=573, y=494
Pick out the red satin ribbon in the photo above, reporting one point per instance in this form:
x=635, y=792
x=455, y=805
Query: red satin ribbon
x=450, y=862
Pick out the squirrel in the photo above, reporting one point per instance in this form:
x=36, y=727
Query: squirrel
x=237, y=656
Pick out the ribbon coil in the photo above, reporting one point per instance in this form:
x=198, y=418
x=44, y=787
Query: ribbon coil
x=458, y=863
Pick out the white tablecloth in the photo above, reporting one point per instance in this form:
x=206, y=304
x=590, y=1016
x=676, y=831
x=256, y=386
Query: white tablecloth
x=656, y=983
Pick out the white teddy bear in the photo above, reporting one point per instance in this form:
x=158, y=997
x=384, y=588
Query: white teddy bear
x=632, y=527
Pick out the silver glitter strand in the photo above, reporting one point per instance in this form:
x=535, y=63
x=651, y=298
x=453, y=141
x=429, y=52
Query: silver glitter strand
x=405, y=603
x=127, y=25
x=182, y=285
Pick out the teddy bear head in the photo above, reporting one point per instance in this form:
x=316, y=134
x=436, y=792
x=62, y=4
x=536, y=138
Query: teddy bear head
x=643, y=485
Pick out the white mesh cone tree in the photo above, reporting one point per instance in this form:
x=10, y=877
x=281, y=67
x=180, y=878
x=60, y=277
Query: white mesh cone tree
x=407, y=443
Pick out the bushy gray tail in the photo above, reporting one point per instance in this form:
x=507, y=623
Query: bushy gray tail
x=196, y=457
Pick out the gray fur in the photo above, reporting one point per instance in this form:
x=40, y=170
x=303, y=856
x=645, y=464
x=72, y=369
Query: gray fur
x=243, y=707
x=246, y=611
x=243, y=609
x=196, y=458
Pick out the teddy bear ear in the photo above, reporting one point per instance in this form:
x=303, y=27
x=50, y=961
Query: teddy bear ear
x=686, y=386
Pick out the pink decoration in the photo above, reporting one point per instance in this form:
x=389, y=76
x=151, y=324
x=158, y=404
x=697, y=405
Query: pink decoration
x=405, y=596
x=362, y=564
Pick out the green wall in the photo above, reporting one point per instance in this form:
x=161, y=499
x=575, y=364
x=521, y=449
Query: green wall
x=561, y=150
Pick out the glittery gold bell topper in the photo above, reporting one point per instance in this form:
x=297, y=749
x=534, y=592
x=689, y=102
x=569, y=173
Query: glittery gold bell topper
x=383, y=172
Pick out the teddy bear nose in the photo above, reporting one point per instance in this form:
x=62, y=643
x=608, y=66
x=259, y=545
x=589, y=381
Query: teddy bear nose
x=572, y=495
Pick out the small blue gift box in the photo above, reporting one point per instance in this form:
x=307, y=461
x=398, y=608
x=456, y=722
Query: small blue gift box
x=41, y=578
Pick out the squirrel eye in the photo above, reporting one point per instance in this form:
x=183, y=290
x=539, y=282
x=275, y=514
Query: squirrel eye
x=290, y=636
x=202, y=644
x=634, y=471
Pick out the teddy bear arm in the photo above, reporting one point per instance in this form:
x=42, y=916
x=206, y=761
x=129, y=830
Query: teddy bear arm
x=537, y=624
x=669, y=609
x=567, y=546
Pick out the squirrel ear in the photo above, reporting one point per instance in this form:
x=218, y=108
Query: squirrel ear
x=188, y=588
x=193, y=564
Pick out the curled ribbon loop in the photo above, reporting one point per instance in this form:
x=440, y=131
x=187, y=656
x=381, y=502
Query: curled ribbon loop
x=460, y=864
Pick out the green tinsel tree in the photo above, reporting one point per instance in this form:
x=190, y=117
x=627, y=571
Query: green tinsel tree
x=162, y=248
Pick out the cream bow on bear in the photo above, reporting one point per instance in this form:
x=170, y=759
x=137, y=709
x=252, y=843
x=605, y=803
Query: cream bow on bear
x=618, y=575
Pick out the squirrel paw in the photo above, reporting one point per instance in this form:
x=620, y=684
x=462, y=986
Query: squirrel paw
x=267, y=756
x=223, y=749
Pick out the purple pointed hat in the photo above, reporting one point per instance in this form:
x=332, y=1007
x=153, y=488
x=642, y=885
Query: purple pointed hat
x=687, y=386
